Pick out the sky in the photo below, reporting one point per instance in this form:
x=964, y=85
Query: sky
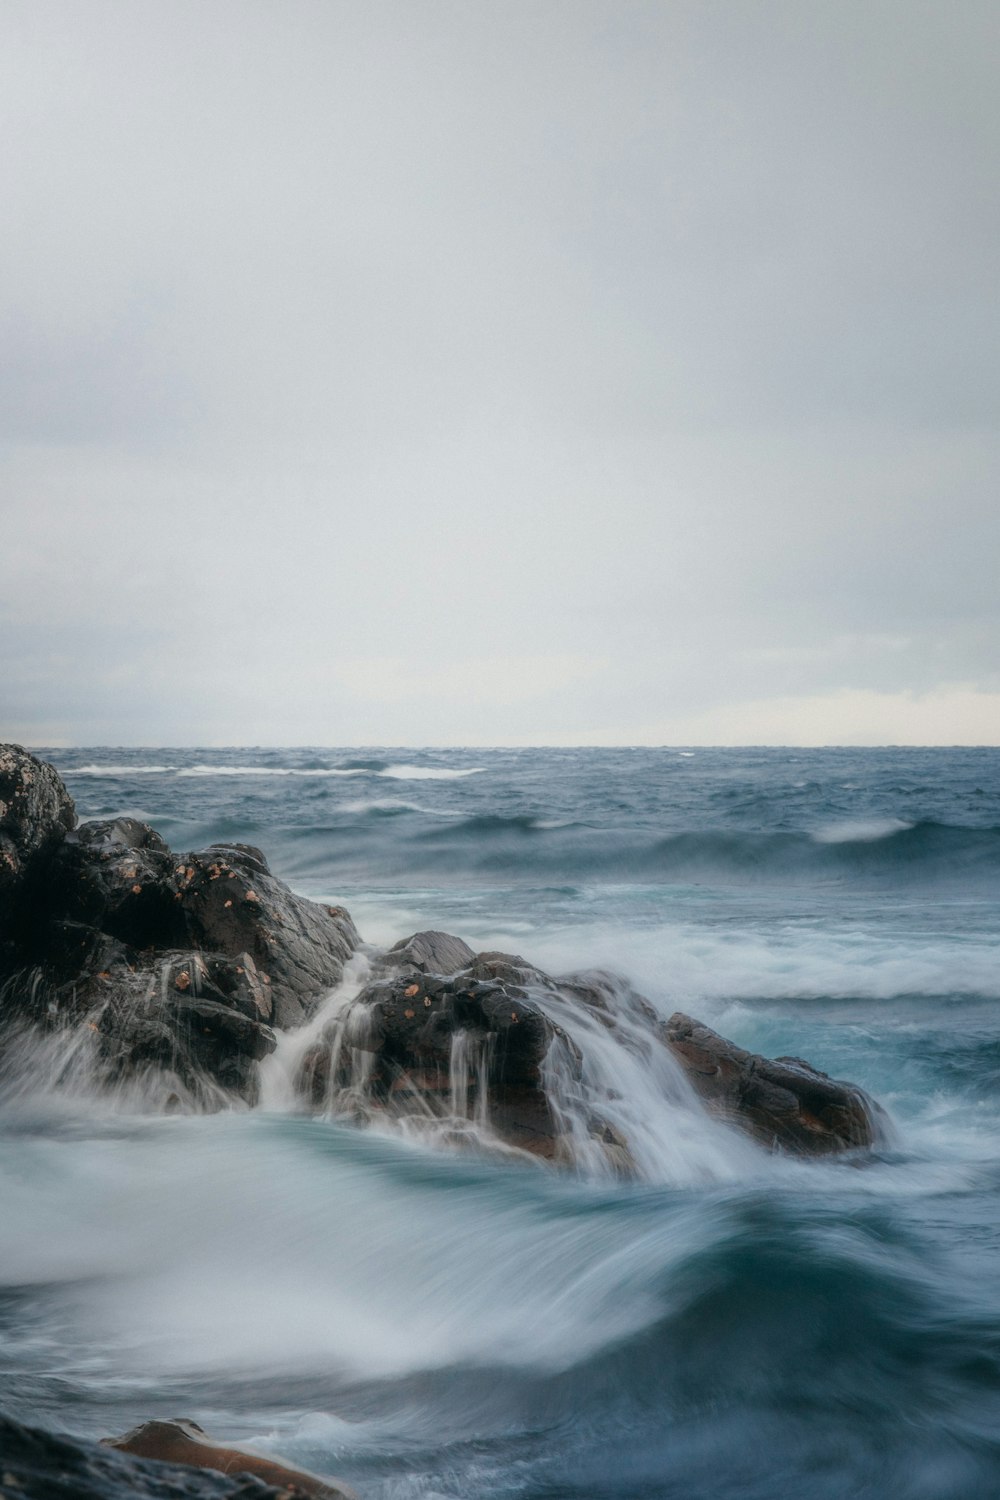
x=499, y=372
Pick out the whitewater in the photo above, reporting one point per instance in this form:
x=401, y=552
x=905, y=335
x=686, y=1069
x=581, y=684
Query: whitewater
x=428, y=1321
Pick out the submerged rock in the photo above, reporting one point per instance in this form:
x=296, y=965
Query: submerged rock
x=783, y=1103
x=182, y=1441
x=39, y=1465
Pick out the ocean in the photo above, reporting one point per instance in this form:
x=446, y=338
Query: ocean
x=732, y=1325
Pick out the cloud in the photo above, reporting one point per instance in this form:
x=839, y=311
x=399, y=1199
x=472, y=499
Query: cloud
x=460, y=343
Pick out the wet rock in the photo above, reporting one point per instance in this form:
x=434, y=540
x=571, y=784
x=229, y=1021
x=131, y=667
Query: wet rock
x=184, y=1442
x=116, y=877
x=39, y=1465
x=36, y=813
x=233, y=905
x=184, y=1025
x=120, y=878
x=784, y=1103
x=429, y=952
x=466, y=1046
x=181, y=963
x=452, y=1044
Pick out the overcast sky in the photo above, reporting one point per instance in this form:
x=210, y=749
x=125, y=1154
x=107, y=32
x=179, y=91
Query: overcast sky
x=503, y=371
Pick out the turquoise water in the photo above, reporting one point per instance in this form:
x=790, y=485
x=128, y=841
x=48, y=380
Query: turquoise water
x=429, y=1324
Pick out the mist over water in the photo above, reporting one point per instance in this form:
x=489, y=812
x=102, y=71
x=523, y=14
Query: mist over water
x=431, y=1322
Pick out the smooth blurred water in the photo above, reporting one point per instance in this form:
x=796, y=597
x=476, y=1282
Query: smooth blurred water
x=429, y=1324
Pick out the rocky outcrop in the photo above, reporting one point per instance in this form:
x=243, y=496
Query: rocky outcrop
x=785, y=1103
x=461, y=1045
x=36, y=812
x=179, y=963
x=184, y=965
x=428, y=952
x=476, y=1044
x=39, y=1465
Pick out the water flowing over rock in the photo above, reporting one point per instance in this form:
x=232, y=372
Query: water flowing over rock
x=464, y=1047
x=499, y=1052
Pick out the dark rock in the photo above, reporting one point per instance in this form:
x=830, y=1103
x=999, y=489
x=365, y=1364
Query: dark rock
x=185, y=1025
x=458, y=1046
x=409, y=1025
x=183, y=1442
x=430, y=953
x=181, y=963
x=478, y=1045
x=118, y=878
x=36, y=812
x=784, y=1103
x=232, y=905
x=39, y=1465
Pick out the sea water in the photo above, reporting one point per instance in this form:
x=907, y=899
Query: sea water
x=430, y=1322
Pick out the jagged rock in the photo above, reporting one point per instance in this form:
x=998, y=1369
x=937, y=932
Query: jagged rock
x=120, y=878
x=181, y=963
x=467, y=1045
x=783, y=1103
x=430, y=952
x=39, y=1465
x=182, y=1441
x=36, y=812
x=407, y=1025
x=233, y=905
x=474, y=1045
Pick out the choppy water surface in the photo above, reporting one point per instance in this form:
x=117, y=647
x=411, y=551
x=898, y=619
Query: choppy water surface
x=433, y=1324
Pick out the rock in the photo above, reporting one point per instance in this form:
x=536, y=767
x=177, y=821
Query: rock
x=233, y=905
x=430, y=952
x=437, y=1040
x=39, y=1465
x=177, y=963
x=118, y=878
x=466, y=1046
x=36, y=812
x=184, y=1442
x=785, y=1103
x=121, y=879
x=479, y=1046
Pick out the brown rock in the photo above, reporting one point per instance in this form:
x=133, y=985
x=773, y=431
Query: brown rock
x=785, y=1103
x=184, y=1442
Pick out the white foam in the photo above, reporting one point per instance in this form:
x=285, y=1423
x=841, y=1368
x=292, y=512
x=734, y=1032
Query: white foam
x=860, y=831
x=118, y=770
x=686, y=965
x=349, y=1261
x=272, y=771
x=401, y=772
x=428, y=773
x=396, y=804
